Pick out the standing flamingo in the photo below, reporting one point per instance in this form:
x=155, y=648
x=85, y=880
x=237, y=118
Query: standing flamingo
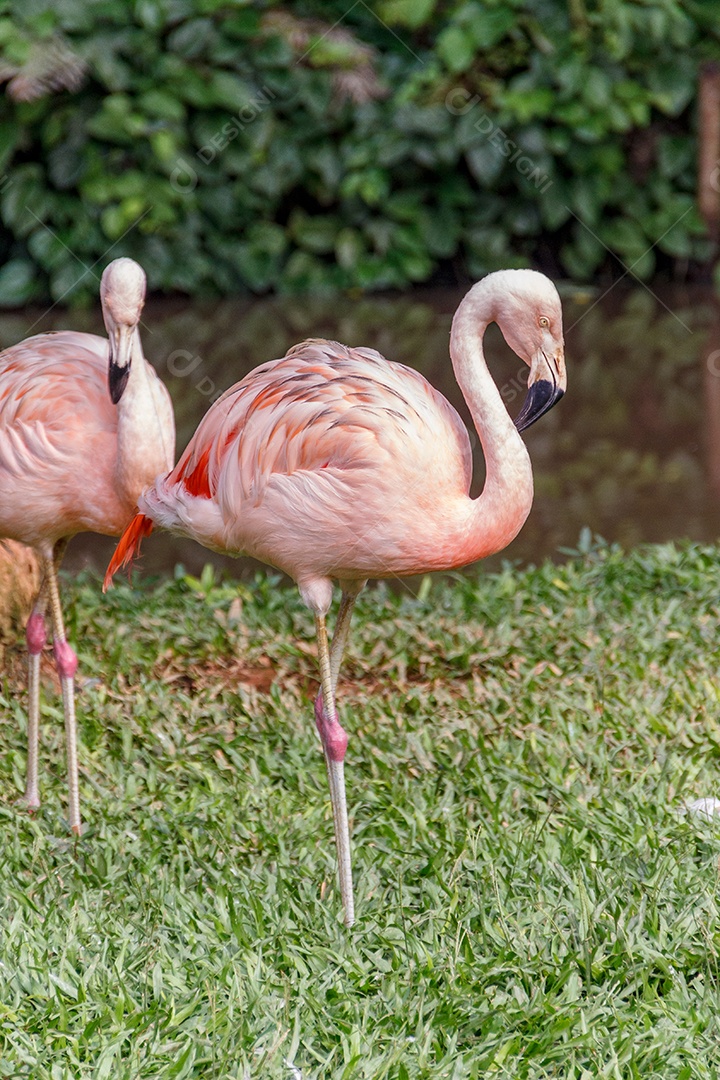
x=334, y=464
x=74, y=458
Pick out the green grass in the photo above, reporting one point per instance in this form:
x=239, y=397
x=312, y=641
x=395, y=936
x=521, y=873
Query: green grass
x=530, y=903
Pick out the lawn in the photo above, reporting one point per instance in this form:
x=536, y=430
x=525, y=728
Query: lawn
x=530, y=901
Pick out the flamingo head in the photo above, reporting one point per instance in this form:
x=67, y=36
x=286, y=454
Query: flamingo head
x=122, y=294
x=529, y=314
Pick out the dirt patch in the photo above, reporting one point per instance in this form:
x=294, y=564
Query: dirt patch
x=232, y=674
x=222, y=673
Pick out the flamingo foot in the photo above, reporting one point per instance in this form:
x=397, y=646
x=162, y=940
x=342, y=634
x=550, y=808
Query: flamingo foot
x=333, y=736
x=65, y=659
x=29, y=801
x=35, y=633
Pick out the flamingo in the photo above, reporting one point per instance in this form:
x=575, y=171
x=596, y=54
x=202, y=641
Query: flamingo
x=79, y=440
x=335, y=464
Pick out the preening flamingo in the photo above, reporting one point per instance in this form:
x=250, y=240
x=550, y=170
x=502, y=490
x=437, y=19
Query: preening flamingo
x=334, y=464
x=83, y=429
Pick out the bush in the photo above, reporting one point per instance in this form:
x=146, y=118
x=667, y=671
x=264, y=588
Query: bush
x=231, y=146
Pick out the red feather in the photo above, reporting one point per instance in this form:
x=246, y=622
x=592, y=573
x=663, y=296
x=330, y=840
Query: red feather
x=128, y=546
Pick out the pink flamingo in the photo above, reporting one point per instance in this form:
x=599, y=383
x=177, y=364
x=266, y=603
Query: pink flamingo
x=334, y=464
x=74, y=458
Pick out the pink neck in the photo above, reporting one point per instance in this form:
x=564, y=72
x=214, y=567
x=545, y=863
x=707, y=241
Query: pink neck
x=496, y=517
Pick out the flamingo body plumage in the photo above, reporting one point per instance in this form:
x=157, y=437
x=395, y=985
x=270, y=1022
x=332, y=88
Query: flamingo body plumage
x=59, y=441
x=326, y=428
x=334, y=464
x=85, y=425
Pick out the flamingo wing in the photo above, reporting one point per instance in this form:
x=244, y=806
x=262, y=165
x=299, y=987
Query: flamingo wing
x=53, y=378
x=57, y=433
x=322, y=406
x=307, y=449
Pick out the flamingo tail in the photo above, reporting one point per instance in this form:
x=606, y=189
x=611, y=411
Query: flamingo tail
x=128, y=546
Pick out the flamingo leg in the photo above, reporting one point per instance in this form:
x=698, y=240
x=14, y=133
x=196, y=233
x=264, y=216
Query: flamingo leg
x=334, y=740
x=340, y=635
x=36, y=637
x=66, y=663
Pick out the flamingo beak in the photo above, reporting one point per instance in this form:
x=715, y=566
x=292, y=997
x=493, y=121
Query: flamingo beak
x=546, y=385
x=120, y=339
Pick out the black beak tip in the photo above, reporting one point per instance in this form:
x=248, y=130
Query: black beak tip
x=117, y=381
x=541, y=397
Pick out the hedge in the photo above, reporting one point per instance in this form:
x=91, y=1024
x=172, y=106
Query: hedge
x=234, y=146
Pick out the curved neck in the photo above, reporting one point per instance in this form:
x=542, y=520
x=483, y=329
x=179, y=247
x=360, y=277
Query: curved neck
x=498, y=514
x=142, y=450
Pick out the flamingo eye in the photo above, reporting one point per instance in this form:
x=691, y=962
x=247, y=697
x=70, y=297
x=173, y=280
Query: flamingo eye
x=544, y=321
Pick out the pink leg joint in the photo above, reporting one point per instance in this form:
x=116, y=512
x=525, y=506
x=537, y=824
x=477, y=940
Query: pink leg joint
x=65, y=659
x=35, y=634
x=333, y=735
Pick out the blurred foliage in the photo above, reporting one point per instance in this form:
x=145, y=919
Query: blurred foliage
x=230, y=145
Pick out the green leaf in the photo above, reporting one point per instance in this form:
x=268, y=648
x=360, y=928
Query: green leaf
x=192, y=38
x=528, y=104
x=230, y=91
x=17, y=283
x=485, y=162
x=410, y=13
x=160, y=103
x=9, y=135
x=117, y=219
x=677, y=242
x=675, y=154
x=585, y=199
x=596, y=89
x=371, y=185
x=672, y=84
x=490, y=25
x=241, y=24
x=106, y=1063
x=624, y=237
x=456, y=49
x=314, y=233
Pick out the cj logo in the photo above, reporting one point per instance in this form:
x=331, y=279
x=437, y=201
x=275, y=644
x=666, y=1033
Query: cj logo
x=183, y=178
